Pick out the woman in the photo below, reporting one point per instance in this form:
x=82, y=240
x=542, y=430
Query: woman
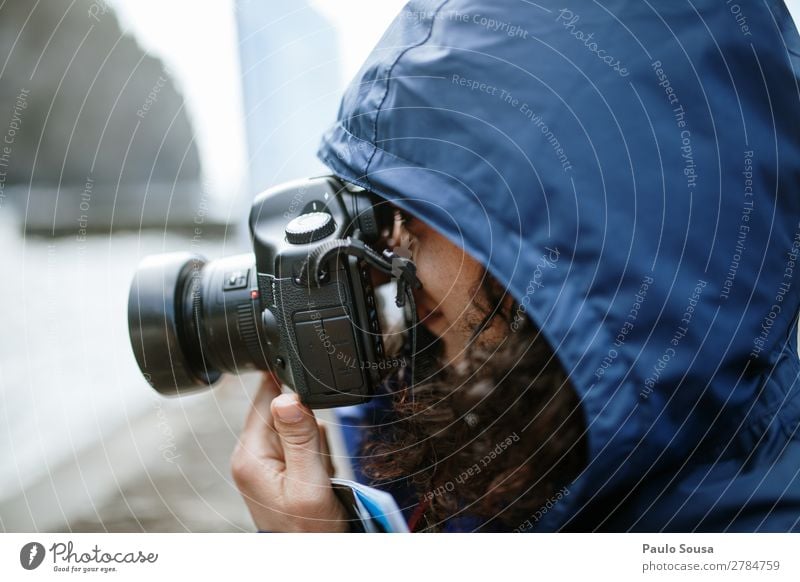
x=605, y=219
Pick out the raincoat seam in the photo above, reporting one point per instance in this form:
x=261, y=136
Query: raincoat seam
x=375, y=149
x=366, y=182
x=386, y=87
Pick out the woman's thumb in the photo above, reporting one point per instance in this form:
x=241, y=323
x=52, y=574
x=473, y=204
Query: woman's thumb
x=299, y=435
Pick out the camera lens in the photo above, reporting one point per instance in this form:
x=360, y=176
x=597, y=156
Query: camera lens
x=191, y=320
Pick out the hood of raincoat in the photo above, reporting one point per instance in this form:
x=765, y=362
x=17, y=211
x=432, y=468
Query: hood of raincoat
x=631, y=172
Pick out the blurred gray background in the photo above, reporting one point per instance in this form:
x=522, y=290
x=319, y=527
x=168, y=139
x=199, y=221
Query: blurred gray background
x=125, y=125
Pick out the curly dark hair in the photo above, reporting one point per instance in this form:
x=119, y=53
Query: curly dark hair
x=495, y=437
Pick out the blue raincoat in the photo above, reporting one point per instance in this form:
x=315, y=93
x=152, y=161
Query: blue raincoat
x=655, y=145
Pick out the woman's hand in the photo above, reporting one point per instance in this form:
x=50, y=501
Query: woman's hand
x=282, y=468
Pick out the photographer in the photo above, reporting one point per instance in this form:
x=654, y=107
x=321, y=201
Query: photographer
x=606, y=242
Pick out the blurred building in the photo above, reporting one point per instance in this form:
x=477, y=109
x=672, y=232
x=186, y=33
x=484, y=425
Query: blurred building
x=291, y=87
x=103, y=135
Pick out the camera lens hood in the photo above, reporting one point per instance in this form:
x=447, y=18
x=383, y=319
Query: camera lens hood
x=158, y=318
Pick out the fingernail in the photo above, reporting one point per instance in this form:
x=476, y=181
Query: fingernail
x=287, y=409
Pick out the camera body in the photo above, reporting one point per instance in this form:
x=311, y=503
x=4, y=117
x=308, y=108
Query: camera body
x=326, y=334
x=301, y=305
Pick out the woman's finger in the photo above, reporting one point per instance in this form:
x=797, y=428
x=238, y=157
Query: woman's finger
x=299, y=433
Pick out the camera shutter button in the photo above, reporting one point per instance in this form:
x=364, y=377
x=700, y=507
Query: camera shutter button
x=311, y=227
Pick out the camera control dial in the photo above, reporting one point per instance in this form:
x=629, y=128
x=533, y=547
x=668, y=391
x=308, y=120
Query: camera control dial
x=310, y=227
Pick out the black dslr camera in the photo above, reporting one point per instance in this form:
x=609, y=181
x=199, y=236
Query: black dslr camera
x=302, y=304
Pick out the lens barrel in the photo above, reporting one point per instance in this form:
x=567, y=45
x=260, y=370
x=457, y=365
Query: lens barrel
x=191, y=320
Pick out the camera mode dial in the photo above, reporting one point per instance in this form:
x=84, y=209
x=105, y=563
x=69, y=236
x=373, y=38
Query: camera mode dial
x=311, y=227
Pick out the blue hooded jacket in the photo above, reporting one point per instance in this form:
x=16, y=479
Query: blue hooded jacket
x=655, y=145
